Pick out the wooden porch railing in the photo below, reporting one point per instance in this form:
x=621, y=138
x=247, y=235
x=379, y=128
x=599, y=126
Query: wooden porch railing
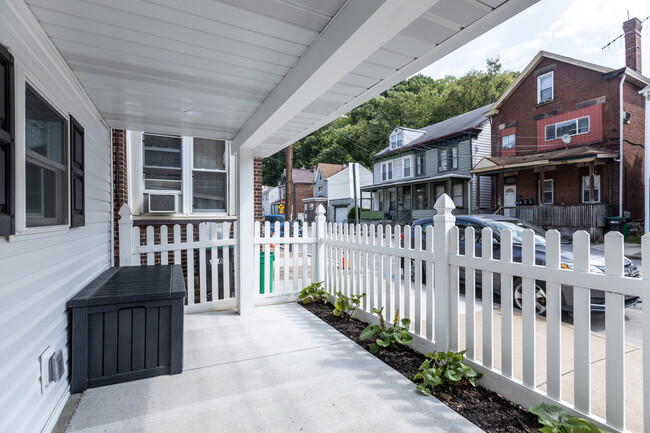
x=580, y=215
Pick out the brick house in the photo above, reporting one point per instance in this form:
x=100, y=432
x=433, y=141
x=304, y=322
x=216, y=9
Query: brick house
x=557, y=141
x=302, y=188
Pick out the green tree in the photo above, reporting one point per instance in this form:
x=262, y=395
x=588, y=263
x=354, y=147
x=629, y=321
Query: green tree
x=414, y=103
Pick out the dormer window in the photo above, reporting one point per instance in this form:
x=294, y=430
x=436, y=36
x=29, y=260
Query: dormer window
x=396, y=139
x=545, y=87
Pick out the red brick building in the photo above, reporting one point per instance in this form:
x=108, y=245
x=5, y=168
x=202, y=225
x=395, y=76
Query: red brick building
x=557, y=141
x=302, y=188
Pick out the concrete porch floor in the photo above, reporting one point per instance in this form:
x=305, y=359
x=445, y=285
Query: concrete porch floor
x=279, y=370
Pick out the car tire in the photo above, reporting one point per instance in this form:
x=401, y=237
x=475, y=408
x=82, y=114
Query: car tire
x=540, y=296
x=424, y=272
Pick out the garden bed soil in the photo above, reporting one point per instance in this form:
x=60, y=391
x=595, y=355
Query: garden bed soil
x=487, y=409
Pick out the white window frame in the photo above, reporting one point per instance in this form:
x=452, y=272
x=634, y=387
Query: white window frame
x=585, y=188
x=506, y=141
x=226, y=161
x=135, y=180
x=552, y=183
x=539, y=87
x=405, y=160
x=396, y=139
x=577, y=122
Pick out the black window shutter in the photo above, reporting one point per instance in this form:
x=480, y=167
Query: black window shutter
x=77, y=175
x=6, y=142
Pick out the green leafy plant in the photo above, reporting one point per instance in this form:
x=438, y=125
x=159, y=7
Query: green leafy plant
x=444, y=368
x=387, y=335
x=345, y=306
x=313, y=293
x=555, y=420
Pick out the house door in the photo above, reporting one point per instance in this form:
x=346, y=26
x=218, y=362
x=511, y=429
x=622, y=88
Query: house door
x=509, y=199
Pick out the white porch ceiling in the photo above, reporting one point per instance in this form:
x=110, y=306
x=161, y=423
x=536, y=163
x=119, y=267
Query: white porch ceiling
x=263, y=73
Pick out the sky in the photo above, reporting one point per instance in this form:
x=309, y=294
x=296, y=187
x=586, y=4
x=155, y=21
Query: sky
x=574, y=28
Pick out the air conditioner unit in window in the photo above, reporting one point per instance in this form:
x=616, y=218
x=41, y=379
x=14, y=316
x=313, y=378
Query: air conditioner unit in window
x=163, y=203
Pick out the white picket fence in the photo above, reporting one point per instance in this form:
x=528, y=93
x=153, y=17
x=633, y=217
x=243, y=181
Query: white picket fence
x=362, y=259
x=283, y=260
x=501, y=342
x=208, y=262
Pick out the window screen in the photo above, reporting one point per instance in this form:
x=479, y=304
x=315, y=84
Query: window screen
x=209, y=177
x=162, y=163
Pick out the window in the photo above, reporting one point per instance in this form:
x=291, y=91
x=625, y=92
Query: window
x=420, y=197
x=387, y=170
x=419, y=165
x=439, y=191
x=6, y=143
x=46, y=155
x=448, y=159
x=320, y=188
x=545, y=87
x=406, y=163
x=548, y=191
x=162, y=163
x=585, y=189
x=190, y=174
x=396, y=139
x=209, y=176
x=508, y=141
x=457, y=194
x=569, y=127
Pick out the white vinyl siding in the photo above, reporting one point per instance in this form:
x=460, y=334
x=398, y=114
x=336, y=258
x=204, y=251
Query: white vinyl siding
x=481, y=147
x=41, y=268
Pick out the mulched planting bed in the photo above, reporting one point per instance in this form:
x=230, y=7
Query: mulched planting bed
x=483, y=407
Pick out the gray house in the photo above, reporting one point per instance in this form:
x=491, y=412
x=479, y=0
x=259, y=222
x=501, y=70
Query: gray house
x=419, y=165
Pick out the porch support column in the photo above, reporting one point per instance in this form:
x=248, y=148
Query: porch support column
x=245, y=232
x=591, y=182
x=541, y=186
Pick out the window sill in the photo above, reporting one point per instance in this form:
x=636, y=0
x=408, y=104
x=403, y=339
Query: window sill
x=39, y=232
x=541, y=104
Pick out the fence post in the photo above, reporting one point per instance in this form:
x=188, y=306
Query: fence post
x=318, y=254
x=125, y=235
x=443, y=222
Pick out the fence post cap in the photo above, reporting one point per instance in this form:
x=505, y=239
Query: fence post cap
x=125, y=211
x=444, y=205
x=320, y=210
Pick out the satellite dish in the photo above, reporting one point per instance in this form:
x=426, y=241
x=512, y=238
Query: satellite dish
x=566, y=139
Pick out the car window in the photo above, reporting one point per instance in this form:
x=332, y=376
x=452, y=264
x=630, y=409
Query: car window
x=463, y=225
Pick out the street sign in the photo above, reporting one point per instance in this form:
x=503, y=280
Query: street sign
x=281, y=208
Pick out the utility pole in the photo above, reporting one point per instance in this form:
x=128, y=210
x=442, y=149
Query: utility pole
x=354, y=183
x=288, y=207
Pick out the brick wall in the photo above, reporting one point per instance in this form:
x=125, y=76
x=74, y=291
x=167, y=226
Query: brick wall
x=259, y=214
x=572, y=85
x=633, y=152
x=301, y=191
x=120, y=192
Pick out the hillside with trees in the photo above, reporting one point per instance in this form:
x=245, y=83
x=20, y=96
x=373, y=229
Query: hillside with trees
x=414, y=103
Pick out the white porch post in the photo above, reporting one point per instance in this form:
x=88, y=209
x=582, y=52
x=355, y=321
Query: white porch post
x=245, y=232
x=126, y=236
x=443, y=222
x=318, y=256
x=646, y=173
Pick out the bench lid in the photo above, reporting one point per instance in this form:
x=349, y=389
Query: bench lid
x=125, y=284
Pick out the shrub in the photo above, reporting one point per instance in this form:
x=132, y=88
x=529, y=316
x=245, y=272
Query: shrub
x=444, y=368
x=387, y=336
x=313, y=293
x=345, y=306
x=555, y=420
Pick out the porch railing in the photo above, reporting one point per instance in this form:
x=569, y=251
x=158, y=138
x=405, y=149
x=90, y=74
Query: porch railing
x=580, y=215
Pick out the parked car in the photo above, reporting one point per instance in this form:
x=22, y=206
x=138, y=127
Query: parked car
x=279, y=218
x=517, y=226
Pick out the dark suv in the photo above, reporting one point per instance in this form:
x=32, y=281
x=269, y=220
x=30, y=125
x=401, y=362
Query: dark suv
x=517, y=226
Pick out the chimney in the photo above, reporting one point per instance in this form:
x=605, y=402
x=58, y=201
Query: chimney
x=313, y=169
x=632, y=29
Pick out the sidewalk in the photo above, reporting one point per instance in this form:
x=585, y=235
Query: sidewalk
x=632, y=251
x=279, y=370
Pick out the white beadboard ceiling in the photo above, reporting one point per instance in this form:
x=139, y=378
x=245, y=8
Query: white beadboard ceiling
x=262, y=73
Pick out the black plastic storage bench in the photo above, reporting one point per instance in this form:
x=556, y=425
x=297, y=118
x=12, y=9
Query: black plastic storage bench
x=127, y=324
